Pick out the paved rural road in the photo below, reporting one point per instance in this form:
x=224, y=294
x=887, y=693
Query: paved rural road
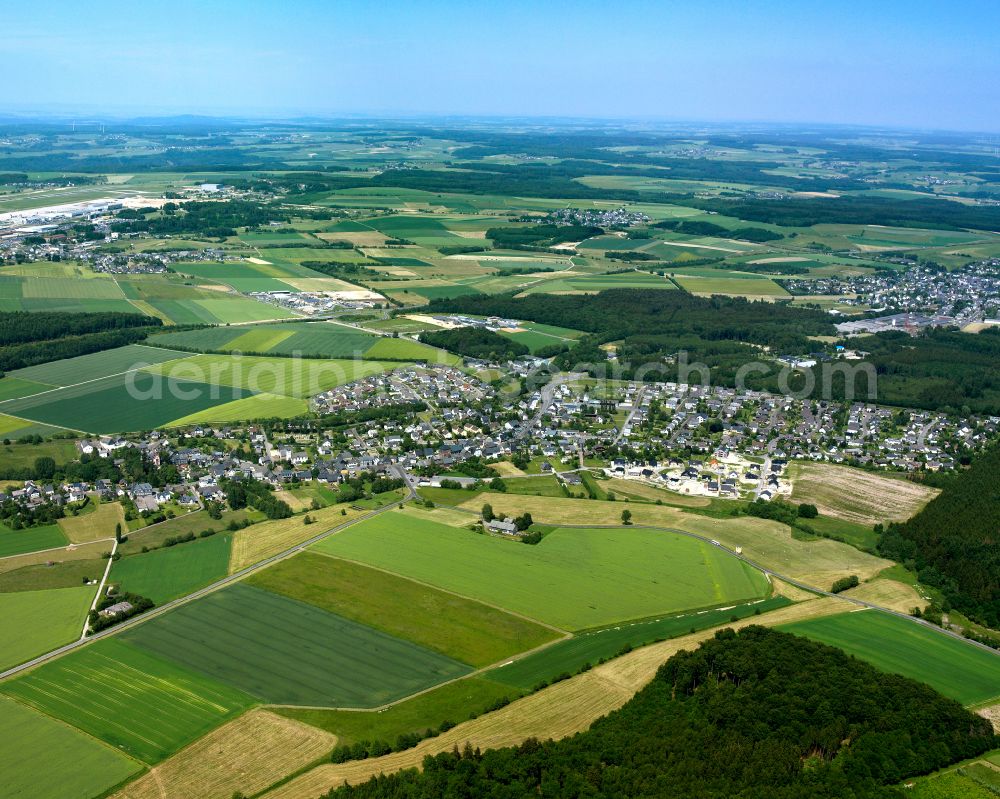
x=208, y=589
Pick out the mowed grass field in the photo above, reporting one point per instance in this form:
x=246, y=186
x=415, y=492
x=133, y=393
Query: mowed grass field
x=246, y=755
x=44, y=759
x=459, y=628
x=855, y=495
x=165, y=574
x=142, y=704
x=253, y=544
x=35, y=622
x=95, y=523
x=284, y=651
x=957, y=669
x=574, y=579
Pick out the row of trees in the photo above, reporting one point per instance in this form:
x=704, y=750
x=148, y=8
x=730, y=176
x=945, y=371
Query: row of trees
x=249, y=492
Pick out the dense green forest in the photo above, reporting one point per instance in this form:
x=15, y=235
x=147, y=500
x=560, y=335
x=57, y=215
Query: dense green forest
x=212, y=219
x=696, y=228
x=17, y=327
x=752, y=714
x=953, y=542
x=859, y=210
x=475, y=342
x=27, y=339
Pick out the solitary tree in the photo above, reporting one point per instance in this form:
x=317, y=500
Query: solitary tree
x=626, y=516
x=488, y=513
x=118, y=532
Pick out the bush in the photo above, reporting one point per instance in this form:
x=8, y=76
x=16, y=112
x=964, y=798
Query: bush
x=845, y=583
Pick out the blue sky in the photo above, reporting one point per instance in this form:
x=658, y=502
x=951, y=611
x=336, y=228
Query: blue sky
x=880, y=62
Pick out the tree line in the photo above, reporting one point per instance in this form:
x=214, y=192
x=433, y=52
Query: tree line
x=952, y=543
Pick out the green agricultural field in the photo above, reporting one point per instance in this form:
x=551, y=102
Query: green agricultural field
x=956, y=669
x=13, y=387
x=144, y=705
x=295, y=377
x=574, y=579
x=71, y=371
x=258, y=406
x=426, y=231
x=458, y=628
x=134, y=401
x=572, y=654
x=542, y=485
x=35, y=622
x=218, y=311
x=289, y=652
x=595, y=283
x=16, y=429
x=733, y=286
x=53, y=761
x=404, y=349
x=32, y=539
x=453, y=702
x=166, y=574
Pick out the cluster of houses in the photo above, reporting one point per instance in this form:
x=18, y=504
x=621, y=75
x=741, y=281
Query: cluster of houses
x=724, y=474
x=145, y=497
x=444, y=389
x=914, y=298
x=678, y=418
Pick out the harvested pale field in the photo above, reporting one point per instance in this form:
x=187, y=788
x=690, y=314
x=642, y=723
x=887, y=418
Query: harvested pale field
x=790, y=259
x=890, y=594
x=99, y=523
x=430, y=320
x=855, y=495
x=259, y=261
x=294, y=502
x=646, y=491
x=991, y=712
x=259, y=541
x=72, y=552
x=556, y=712
x=507, y=469
x=769, y=544
x=247, y=755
